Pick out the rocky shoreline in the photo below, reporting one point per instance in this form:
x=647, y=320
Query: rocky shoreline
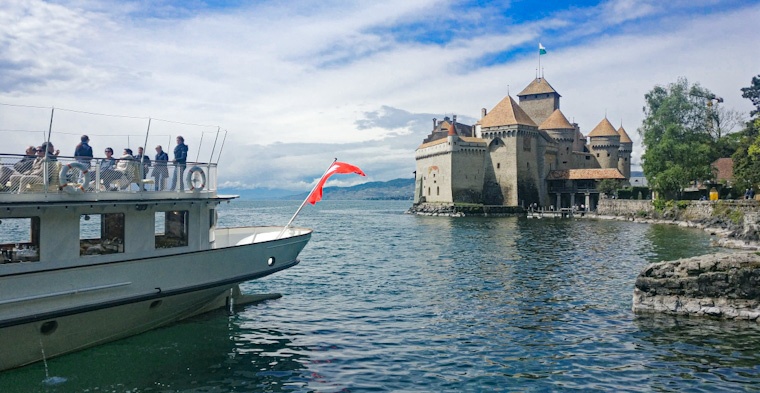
x=724, y=286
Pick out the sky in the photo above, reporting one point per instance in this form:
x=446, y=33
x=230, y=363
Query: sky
x=274, y=90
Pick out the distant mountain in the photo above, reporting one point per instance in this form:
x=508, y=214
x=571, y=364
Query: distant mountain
x=376, y=190
x=393, y=189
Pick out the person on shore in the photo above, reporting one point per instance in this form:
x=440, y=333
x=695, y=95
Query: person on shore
x=160, y=170
x=180, y=163
x=83, y=154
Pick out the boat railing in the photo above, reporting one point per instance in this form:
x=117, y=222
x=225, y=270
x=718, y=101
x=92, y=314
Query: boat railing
x=20, y=174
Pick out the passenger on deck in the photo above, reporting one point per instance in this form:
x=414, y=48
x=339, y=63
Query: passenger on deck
x=83, y=154
x=180, y=163
x=20, y=182
x=126, y=168
x=145, y=160
x=24, y=165
x=108, y=169
x=160, y=170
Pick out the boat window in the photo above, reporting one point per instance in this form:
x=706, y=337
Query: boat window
x=101, y=233
x=171, y=229
x=20, y=239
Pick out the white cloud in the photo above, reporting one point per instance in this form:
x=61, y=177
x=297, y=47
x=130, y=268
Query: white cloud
x=297, y=84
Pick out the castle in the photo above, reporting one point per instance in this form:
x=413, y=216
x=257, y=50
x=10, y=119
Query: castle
x=519, y=154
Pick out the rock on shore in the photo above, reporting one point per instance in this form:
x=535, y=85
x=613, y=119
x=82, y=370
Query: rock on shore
x=720, y=285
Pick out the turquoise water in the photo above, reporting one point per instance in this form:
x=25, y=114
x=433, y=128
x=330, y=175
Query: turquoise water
x=386, y=302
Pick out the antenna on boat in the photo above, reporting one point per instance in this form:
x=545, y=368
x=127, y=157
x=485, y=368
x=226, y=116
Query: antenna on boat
x=304, y=201
x=50, y=128
x=199, y=147
x=219, y=156
x=214, y=147
x=145, y=151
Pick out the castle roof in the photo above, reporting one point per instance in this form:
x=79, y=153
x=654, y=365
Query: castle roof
x=556, y=121
x=506, y=113
x=432, y=143
x=624, y=138
x=538, y=86
x=604, y=128
x=585, y=174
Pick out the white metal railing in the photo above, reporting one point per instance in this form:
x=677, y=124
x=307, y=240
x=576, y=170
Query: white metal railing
x=21, y=174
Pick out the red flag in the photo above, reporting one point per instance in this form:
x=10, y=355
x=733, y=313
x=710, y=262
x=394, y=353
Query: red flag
x=337, y=167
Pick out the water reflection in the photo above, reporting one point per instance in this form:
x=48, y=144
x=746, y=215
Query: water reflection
x=213, y=352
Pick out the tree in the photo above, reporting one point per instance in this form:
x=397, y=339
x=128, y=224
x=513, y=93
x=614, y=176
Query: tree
x=747, y=156
x=677, y=136
x=608, y=186
x=753, y=94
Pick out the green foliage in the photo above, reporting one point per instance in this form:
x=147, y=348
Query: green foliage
x=725, y=210
x=634, y=193
x=659, y=204
x=676, y=136
x=608, y=186
x=747, y=155
x=753, y=94
x=682, y=205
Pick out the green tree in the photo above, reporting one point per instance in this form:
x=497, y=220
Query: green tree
x=608, y=186
x=747, y=156
x=677, y=136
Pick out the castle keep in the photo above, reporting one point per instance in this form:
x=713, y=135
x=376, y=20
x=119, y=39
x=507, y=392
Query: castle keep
x=519, y=154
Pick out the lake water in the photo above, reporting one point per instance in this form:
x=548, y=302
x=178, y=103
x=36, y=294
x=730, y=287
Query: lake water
x=386, y=302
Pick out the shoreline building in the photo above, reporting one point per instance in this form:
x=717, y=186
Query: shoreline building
x=520, y=153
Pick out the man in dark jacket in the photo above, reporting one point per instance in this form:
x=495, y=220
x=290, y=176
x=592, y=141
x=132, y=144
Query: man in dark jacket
x=83, y=154
x=160, y=170
x=180, y=163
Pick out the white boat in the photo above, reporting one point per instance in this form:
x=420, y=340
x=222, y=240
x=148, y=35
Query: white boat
x=83, y=265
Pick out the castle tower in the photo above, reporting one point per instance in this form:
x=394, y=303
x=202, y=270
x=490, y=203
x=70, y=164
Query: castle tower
x=539, y=100
x=563, y=133
x=604, y=144
x=512, y=176
x=624, y=153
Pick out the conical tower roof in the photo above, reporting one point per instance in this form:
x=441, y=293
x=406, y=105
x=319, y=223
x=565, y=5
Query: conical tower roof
x=604, y=128
x=538, y=86
x=556, y=121
x=506, y=113
x=452, y=129
x=624, y=138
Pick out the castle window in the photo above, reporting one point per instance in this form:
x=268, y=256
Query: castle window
x=528, y=165
x=608, y=154
x=597, y=154
x=498, y=165
x=428, y=190
x=588, y=158
x=438, y=191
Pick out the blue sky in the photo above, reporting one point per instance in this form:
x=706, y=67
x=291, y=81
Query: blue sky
x=298, y=83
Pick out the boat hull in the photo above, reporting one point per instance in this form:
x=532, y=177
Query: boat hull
x=64, y=310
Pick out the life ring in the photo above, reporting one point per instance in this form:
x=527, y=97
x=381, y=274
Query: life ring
x=62, y=181
x=193, y=170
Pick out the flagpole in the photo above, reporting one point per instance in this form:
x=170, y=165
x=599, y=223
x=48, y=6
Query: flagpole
x=304, y=201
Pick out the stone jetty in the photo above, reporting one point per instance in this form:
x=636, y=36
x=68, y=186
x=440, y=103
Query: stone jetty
x=723, y=285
